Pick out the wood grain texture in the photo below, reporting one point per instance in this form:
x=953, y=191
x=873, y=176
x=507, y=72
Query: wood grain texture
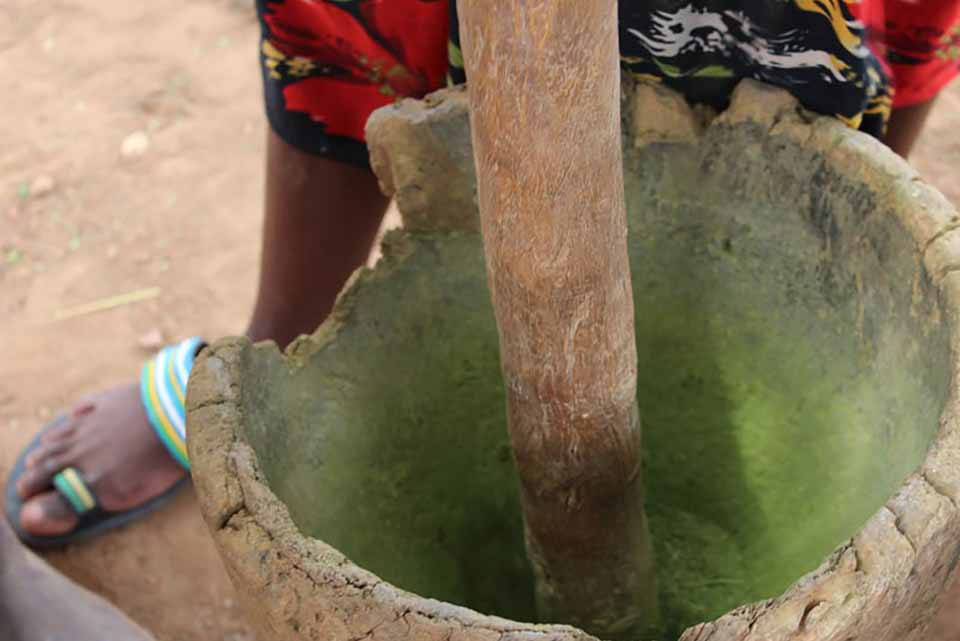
x=544, y=90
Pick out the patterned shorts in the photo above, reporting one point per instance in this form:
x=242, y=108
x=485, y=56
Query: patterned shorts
x=327, y=64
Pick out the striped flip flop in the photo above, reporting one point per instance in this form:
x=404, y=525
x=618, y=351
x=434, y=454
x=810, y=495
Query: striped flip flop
x=163, y=389
x=71, y=485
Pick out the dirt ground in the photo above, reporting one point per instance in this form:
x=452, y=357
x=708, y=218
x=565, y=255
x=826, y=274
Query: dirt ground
x=131, y=154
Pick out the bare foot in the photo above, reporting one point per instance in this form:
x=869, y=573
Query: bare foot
x=37, y=603
x=110, y=441
x=321, y=221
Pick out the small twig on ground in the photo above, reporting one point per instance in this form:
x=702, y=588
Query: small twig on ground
x=108, y=303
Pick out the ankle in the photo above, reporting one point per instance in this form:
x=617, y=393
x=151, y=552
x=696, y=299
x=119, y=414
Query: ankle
x=283, y=323
x=282, y=331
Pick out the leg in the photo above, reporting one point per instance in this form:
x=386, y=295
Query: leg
x=39, y=604
x=919, y=40
x=321, y=64
x=905, y=126
x=320, y=222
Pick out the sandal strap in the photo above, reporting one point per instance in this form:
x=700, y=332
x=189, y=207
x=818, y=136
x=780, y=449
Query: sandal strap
x=163, y=386
x=70, y=484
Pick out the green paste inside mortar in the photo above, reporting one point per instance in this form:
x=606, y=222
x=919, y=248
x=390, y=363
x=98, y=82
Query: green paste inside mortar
x=779, y=411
